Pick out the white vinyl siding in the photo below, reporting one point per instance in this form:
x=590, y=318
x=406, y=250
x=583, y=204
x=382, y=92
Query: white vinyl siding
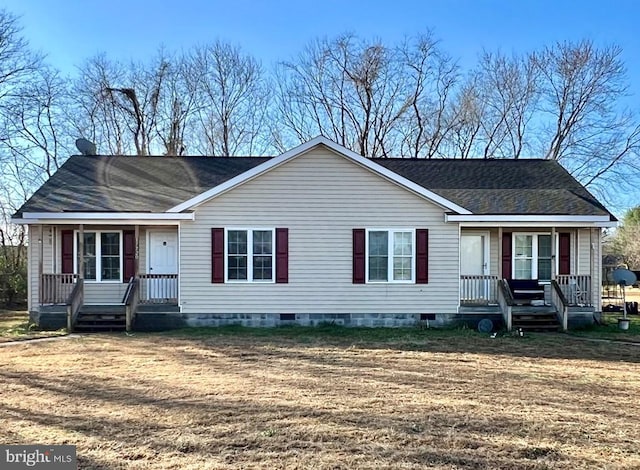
x=34, y=255
x=584, y=251
x=586, y=256
x=320, y=197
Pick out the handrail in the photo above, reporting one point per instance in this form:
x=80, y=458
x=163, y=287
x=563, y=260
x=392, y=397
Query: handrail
x=505, y=299
x=74, y=303
x=158, y=288
x=576, y=288
x=56, y=288
x=478, y=289
x=506, y=291
x=130, y=300
x=563, y=307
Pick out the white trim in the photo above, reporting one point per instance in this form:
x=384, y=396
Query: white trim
x=304, y=148
x=102, y=217
x=250, y=255
x=148, y=249
x=390, y=255
x=540, y=220
x=555, y=254
x=535, y=225
x=486, y=249
x=179, y=265
x=98, y=255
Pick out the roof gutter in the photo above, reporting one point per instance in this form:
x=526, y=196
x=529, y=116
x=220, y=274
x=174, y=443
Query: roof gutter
x=515, y=220
x=96, y=218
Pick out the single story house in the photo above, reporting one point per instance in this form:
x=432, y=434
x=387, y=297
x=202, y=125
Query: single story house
x=317, y=234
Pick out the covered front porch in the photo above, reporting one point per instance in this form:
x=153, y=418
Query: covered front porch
x=100, y=277
x=530, y=276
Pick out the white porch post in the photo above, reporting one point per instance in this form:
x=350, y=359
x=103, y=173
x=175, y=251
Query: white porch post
x=136, y=248
x=40, y=263
x=554, y=257
x=81, y=251
x=499, y=252
x=595, y=240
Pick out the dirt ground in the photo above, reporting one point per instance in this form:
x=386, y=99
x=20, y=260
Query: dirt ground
x=283, y=400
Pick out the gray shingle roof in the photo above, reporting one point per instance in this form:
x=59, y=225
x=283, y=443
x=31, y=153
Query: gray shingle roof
x=132, y=184
x=500, y=186
x=155, y=184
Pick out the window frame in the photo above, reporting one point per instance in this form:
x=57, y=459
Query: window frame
x=250, y=255
x=535, y=258
x=98, y=235
x=390, y=255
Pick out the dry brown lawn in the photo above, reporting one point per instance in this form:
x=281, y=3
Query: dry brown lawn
x=15, y=326
x=286, y=399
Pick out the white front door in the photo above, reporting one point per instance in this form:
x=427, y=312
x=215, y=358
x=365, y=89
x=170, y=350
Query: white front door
x=162, y=261
x=473, y=254
x=474, y=263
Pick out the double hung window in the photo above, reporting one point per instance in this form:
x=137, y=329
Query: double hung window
x=390, y=256
x=532, y=256
x=102, y=256
x=250, y=255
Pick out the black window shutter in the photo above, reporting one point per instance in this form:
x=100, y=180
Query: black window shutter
x=506, y=255
x=422, y=256
x=66, y=247
x=217, y=255
x=282, y=255
x=359, y=256
x=565, y=253
x=129, y=244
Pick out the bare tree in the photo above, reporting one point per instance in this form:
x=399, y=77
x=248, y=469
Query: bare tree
x=96, y=114
x=231, y=99
x=582, y=90
x=626, y=240
x=139, y=108
x=509, y=95
x=17, y=64
x=433, y=76
x=352, y=91
x=466, y=115
x=37, y=128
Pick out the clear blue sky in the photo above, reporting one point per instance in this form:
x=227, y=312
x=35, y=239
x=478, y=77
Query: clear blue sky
x=70, y=31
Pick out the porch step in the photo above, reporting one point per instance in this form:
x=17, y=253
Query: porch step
x=535, y=319
x=101, y=318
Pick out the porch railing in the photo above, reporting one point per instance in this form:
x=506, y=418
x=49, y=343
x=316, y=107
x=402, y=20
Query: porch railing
x=74, y=304
x=478, y=290
x=130, y=300
x=561, y=304
x=56, y=288
x=505, y=299
x=576, y=288
x=158, y=288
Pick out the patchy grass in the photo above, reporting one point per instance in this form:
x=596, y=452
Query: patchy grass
x=15, y=326
x=326, y=399
x=610, y=330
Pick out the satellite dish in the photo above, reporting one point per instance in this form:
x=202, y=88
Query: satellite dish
x=86, y=147
x=624, y=277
